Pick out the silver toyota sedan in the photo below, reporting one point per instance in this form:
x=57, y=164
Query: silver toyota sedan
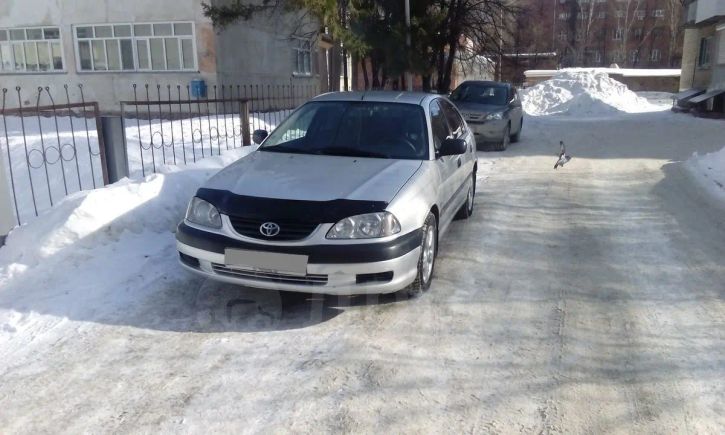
x=349, y=195
x=492, y=110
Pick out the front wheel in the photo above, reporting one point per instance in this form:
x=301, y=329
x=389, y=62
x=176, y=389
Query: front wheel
x=517, y=136
x=426, y=261
x=506, y=138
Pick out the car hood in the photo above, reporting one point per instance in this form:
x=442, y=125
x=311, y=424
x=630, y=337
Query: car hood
x=478, y=108
x=314, y=177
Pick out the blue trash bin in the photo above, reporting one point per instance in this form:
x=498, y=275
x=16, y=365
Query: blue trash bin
x=198, y=88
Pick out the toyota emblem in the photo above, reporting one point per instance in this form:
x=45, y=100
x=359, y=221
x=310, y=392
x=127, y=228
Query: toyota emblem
x=269, y=229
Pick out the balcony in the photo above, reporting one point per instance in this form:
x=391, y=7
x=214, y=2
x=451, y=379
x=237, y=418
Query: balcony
x=703, y=11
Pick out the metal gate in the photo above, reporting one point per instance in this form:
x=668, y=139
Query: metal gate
x=51, y=150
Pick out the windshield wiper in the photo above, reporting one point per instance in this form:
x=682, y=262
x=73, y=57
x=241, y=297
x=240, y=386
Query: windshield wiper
x=350, y=152
x=284, y=149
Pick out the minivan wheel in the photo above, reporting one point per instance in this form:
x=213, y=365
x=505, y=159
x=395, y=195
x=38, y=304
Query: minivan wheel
x=467, y=208
x=506, y=138
x=426, y=261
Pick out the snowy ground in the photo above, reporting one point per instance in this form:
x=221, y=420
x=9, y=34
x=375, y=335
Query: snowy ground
x=583, y=300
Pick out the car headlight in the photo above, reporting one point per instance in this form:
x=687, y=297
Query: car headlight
x=202, y=213
x=365, y=226
x=494, y=116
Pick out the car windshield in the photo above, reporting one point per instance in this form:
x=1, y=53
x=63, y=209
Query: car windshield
x=353, y=128
x=494, y=95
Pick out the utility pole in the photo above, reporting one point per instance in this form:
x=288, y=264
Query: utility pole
x=408, y=75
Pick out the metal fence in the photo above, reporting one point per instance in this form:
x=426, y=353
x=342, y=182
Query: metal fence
x=166, y=124
x=51, y=149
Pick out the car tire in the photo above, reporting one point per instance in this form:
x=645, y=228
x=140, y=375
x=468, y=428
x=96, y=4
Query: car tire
x=501, y=146
x=466, y=209
x=517, y=136
x=426, y=262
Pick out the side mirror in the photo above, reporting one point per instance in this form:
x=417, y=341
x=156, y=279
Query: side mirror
x=453, y=147
x=259, y=135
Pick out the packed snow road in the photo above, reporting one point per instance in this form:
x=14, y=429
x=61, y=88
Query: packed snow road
x=584, y=300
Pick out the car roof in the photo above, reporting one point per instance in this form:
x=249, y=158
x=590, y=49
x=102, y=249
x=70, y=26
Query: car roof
x=418, y=98
x=486, y=82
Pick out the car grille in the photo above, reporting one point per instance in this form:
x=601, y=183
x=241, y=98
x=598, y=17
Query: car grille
x=473, y=116
x=288, y=230
x=311, y=280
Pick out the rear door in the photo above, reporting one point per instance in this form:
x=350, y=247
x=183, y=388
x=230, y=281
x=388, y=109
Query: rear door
x=516, y=111
x=447, y=165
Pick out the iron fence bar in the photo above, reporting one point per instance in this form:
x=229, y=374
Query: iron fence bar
x=171, y=115
x=181, y=112
x=191, y=121
x=161, y=122
x=75, y=146
x=45, y=160
x=88, y=137
x=60, y=147
x=216, y=118
x=25, y=145
x=151, y=133
x=138, y=126
x=10, y=160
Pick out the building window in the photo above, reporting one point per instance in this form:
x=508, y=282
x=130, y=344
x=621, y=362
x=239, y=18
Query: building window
x=136, y=47
x=31, y=49
x=597, y=57
x=703, y=59
x=562, y=36
x=634, y=56
x=638, y=33
x=564, y=16
x=602, y=15
x=640, y=15
x=302, y=52
x=618, y=34
x=658, y=13
x=619, y=14
x=655, y=55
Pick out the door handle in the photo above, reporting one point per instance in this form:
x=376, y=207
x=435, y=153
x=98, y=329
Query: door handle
x=459, y=162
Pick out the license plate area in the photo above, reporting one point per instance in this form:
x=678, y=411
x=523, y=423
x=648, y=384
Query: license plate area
x=266, y=261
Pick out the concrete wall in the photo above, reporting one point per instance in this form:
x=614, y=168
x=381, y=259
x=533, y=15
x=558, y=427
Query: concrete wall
x=260, y=50
x=718, y=58
x=106, y=87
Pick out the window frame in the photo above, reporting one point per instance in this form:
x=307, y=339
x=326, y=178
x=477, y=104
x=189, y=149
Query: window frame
x=704, y=51
x=434, y=137
x=297, y=49
x=449, y=109
x=134, y=47
x=12, y=43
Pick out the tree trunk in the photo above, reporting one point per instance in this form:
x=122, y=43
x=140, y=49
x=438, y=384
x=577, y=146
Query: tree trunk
x=366, y=79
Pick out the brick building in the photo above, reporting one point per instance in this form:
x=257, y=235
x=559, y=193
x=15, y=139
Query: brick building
x=596, y=33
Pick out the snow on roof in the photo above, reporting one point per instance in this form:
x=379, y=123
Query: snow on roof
x=626, y=72
x=551, y=54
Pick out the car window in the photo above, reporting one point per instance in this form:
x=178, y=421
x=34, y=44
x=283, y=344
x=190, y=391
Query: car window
x=438, y=124
x=353, y=128
x=454, y=119
x=481, y=93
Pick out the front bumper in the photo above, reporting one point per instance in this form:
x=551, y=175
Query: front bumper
x=337, y=269
x=488, y=131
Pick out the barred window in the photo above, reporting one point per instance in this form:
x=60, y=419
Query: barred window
x=136, y=47
x=302, y=53
x=31, y=49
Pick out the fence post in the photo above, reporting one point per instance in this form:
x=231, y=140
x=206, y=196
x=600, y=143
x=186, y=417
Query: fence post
x=114, y=147
x=7, y=217
x=244, y=114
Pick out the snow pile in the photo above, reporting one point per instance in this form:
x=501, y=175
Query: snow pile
x=582, y=93
x=709, y=169
x=95, y=243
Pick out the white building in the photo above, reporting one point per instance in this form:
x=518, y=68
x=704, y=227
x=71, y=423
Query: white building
x=108, y=45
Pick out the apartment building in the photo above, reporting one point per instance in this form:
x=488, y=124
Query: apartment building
x=108, y=45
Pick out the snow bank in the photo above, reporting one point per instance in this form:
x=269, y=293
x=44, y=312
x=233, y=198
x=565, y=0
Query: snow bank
x=73, y=233
x=583, y=93
x=709, y=170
